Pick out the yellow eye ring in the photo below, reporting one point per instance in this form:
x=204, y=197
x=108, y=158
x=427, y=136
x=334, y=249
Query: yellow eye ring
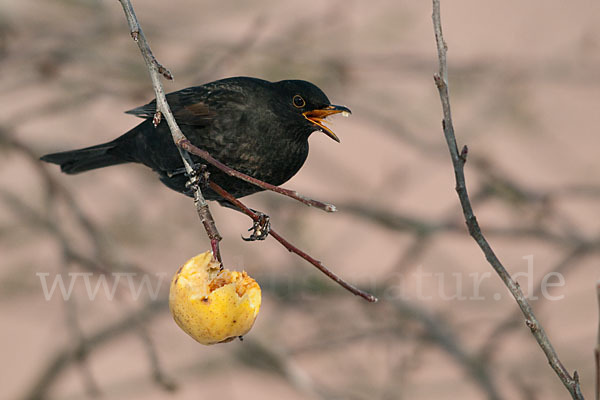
x=298, y=101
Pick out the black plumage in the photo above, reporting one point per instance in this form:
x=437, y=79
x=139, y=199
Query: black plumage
x=257, y=127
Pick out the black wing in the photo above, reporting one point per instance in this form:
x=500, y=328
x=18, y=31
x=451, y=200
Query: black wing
x=195, y=106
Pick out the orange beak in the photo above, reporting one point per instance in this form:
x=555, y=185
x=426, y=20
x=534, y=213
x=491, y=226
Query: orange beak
x=317, y=117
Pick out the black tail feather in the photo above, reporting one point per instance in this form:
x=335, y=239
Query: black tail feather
x=76, y=161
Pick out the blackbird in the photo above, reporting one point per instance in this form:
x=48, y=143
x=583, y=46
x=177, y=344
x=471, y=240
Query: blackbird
x=254, y=126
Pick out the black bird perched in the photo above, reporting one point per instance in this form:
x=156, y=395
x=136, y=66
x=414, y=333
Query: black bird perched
x=254, y=126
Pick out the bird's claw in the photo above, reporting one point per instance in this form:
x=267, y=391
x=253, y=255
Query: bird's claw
x=198, y=176
x=260, y=228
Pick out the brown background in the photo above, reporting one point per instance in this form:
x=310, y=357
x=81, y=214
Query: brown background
x=525, y=91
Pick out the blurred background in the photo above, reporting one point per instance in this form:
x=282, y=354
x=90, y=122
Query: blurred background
x=525, y=91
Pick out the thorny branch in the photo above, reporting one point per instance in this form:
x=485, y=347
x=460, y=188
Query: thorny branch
x=458, y=161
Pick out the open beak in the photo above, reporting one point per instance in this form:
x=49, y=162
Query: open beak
x=317, y=117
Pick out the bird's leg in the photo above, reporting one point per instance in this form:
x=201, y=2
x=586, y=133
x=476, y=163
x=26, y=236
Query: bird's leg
x=260, y=228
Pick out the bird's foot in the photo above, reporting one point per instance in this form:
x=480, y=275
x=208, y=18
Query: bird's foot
x=260, y=229
x=198, y=176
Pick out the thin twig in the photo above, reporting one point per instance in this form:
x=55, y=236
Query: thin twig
x=458, y=161
x=188, y=146
x=163, y=110
x=290, y=247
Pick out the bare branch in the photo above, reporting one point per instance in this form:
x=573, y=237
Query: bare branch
x=458, y=161
x=162, y=109
x=255, y=217
x=188, y=146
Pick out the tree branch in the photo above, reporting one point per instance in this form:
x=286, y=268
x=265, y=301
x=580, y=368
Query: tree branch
x=458, y=161
x=290, y=247
x=188, y=146
x=162, y=109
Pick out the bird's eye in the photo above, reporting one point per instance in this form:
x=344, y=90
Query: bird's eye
x=298, y=101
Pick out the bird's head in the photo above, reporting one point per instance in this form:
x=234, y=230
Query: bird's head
x=308, y=101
